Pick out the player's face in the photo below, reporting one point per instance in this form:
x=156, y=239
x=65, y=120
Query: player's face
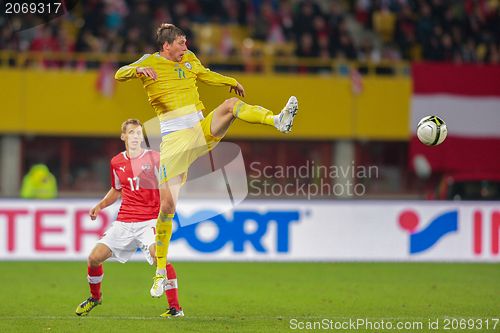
x=133, y=136
x=177, y=49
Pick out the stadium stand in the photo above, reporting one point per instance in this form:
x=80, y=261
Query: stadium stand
x=271, y=36
x=454, y=31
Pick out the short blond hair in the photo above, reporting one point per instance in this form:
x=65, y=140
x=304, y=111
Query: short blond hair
x=167, y=32
x=130, y=121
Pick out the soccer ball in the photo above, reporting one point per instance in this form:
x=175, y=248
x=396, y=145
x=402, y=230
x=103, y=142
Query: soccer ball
x=431, y=130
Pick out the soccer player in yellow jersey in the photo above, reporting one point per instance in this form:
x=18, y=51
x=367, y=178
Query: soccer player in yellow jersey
x=169, y=78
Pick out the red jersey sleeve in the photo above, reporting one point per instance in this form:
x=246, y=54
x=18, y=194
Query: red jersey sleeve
x=115, y=181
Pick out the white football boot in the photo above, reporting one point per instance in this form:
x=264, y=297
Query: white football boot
x=284, y=120
x=158, y=287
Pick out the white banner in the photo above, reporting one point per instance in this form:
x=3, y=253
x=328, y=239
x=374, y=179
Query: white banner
x=271, y=230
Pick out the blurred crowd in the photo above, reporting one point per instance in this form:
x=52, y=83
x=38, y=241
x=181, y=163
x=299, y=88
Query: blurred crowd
x=437, y=30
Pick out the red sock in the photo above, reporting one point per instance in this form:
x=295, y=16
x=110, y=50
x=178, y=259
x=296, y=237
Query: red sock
x=171, y=287
x=94, y=277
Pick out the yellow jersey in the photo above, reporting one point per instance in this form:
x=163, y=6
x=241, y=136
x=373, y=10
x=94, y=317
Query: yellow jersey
x=175, y=87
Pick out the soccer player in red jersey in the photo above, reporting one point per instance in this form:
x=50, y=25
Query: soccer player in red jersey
x=134, y=179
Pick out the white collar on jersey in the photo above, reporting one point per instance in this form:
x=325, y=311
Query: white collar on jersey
x=124, y=153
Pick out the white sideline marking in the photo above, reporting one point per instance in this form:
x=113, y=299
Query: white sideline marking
x=219, y=318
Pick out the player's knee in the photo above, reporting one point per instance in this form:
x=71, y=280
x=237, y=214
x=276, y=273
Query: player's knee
x=229, y=104
x=94, y=260
x=167, y=207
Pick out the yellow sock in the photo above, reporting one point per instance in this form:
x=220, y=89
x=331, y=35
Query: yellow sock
x=254, y=114
x=163, y=234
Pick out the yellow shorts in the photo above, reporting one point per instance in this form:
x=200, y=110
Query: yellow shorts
x=179, y=149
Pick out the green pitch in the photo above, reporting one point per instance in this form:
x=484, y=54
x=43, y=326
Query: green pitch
x=250, y=297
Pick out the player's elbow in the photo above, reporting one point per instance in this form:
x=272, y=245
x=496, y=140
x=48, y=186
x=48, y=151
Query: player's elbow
x=118, y=77
x=122, y=74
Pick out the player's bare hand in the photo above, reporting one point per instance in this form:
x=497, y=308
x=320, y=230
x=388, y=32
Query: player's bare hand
x=147, y=71
x=93, y=212
x=238, y=89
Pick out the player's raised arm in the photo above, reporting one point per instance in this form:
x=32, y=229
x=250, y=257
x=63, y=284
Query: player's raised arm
x=238, y=89
x=213, y=78
x=109, y=199
x=135, y=70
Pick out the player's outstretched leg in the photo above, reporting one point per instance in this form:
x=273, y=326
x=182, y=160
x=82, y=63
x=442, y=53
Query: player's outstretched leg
x=232, y=108
x=258, y=115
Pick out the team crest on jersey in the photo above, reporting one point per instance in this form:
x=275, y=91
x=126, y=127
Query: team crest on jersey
x=146, y=167
x=188, y=65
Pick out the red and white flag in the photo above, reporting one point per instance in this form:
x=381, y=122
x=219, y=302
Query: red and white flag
x=356, y=82
x=467, y=98
x=105, y=82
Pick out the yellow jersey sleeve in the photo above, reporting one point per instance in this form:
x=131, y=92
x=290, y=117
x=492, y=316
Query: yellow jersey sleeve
x=207, y=76
x=128, y=72
x=175, y=88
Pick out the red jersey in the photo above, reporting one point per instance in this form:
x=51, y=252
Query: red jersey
x=137, y=179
